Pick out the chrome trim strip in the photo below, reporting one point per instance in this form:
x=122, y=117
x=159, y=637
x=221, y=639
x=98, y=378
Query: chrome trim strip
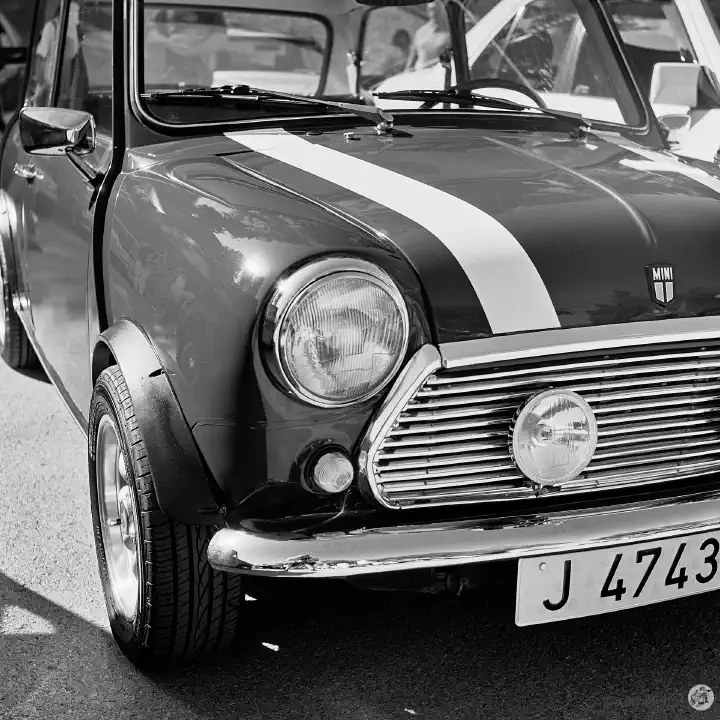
x=502, y=348
x=415, y=547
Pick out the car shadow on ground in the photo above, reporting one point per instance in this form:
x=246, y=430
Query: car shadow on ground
x=356, y=654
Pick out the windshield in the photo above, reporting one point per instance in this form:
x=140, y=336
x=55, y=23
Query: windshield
x=555, y=52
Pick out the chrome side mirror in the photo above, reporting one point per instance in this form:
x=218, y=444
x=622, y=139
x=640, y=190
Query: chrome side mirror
x=56, y=131
x=675, y=127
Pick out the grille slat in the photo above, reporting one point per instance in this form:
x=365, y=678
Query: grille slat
x=658, y=418
x=466, y=495
x=627, y=362
x=448, y=470
x=650, y=440
x=477, y=409
x=443, y=450
x=453, y=482
x=636, y=392
x=477, y=387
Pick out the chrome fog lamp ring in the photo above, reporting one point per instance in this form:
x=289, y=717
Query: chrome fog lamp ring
x=297, y=289
x=553, y=437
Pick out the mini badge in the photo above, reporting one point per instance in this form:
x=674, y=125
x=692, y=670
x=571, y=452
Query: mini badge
x=661, y=283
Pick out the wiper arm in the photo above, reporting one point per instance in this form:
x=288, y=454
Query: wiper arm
x=468, y=98
x=244, y=93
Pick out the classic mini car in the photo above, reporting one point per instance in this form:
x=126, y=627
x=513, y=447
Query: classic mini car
x=399, y=346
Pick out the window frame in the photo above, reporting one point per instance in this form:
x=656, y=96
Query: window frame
x=36, y=35
x=137, y=67
x=101, y=131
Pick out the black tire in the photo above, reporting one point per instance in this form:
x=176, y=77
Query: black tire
x=186, y=610
x=15, y=347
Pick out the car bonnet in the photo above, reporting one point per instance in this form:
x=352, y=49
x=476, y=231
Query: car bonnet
x=513, y=232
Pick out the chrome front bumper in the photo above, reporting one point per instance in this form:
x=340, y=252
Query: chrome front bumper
x=414, y=547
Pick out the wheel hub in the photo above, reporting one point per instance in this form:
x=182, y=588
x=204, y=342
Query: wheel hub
x=127, y=524
x=118, y=519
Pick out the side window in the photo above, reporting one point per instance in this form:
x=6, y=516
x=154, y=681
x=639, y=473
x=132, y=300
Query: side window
x=44, y=59
x=86, y=68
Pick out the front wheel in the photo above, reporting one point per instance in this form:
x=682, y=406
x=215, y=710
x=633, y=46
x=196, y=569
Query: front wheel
x=165, y=602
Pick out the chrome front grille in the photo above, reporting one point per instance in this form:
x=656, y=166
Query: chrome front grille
x=657, y=409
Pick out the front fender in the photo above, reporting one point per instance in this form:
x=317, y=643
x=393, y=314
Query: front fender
x=184, y=490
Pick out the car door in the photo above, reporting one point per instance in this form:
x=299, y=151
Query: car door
x=59, y=238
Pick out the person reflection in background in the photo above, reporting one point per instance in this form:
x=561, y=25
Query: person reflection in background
x=432, y=38
x=399, y=55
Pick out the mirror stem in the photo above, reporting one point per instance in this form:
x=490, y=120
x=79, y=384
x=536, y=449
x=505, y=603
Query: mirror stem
x=91, y=175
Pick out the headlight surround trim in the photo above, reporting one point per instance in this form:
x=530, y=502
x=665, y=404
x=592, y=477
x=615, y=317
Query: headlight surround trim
x=292, y=288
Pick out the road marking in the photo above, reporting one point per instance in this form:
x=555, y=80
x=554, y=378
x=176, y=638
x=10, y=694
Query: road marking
x=504, y=278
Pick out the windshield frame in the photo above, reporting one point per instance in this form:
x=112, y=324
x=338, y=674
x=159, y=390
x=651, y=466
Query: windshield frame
x=137, y=66
x=648, y=123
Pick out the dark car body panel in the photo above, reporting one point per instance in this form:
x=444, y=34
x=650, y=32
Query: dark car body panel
x=195, y=247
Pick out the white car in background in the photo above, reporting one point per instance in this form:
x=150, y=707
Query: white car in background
x=273, y=61
x=673, y=46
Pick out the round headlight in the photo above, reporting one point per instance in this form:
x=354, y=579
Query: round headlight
x=554, y=437
x=340, y=331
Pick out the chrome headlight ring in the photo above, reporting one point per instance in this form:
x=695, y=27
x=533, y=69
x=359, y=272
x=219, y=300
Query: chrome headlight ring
x=293, y=289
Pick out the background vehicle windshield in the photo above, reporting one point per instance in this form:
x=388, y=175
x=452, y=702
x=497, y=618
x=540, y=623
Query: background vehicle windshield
x=555, y=48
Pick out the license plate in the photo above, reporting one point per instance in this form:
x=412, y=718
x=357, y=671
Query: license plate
x=560, y=587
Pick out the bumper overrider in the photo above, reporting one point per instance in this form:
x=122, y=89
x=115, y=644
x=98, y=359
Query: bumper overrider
x=523, y=534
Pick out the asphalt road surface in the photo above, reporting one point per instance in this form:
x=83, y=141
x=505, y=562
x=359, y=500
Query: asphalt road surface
x=332, y=655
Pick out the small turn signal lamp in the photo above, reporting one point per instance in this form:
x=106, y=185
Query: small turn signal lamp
x=331, y=473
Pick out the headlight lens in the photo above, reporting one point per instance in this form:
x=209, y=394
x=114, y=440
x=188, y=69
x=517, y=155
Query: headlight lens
x=554, y=437
x=340, y=339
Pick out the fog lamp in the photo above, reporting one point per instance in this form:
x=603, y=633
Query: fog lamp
x=554, y=436
x=332, y=472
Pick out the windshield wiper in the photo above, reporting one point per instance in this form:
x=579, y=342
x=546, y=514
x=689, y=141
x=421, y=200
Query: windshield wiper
x=467, y=98
x=382, y=119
